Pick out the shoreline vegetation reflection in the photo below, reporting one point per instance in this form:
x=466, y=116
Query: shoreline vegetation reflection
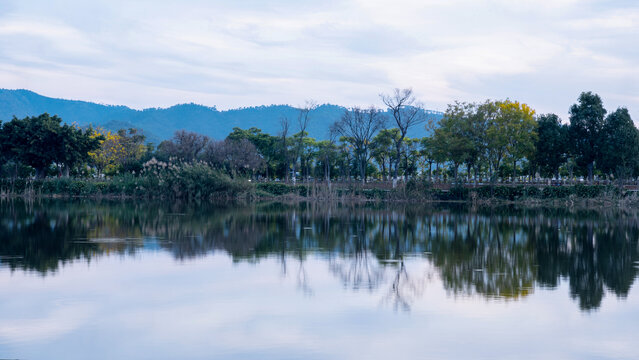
x=501, y=252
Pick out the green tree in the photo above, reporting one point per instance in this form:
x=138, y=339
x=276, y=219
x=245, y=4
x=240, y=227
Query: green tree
x=34, y=141
x=303, y=120
x=551, y=147
x=269, y=147
x=619, y=145
x=428, y=153
x=308, y=156
x=383, y=149
x=476, y=133
x=3, y=149
x=326, y=158
x=407, y=113
x=586, y=123
x=411, y=157
x=452, y=136
x=75, y=146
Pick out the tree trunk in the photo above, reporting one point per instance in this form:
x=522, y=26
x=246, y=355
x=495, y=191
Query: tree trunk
x=384, y=175
x=571, y=171
x=363, y=171
x=398, y=160
x=294, y=172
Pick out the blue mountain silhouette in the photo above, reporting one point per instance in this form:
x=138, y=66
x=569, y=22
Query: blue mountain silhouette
x=160, y=123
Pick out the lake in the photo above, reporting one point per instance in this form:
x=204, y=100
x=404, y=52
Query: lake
x=88, y=279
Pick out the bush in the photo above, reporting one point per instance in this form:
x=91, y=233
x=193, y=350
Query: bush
x=371, y=194
x=183, y=180
x=593, y=191
x=276, y=189
x=196, y=180
x=557, y=192
x=533, y=192
x=454, y=194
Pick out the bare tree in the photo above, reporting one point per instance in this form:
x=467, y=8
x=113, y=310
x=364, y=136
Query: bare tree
x=359, y=127
x=185, y=145
x=407, y=113
x=302, y=123
x=234, y=156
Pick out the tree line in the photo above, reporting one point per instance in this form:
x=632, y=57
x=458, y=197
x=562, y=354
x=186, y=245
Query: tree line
x=494, y=138
x=492, y=141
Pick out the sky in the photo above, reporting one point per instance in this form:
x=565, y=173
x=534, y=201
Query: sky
x=156, y=53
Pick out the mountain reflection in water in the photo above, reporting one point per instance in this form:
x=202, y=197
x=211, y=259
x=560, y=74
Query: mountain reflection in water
x=494, y=252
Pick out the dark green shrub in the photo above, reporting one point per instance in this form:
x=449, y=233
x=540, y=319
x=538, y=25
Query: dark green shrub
x=455, y=193
x=302, y=190
x=557, y=192
x=533, y=192
x=276, y=189
x=375, y=194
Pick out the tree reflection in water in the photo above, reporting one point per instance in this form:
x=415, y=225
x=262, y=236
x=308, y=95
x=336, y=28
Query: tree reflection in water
x=495, y=252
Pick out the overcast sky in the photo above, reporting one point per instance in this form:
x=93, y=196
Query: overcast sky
x=241, y=53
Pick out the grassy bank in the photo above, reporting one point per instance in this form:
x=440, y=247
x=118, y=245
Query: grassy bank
x=204, y=183
x=194, y=183
x=418, y=191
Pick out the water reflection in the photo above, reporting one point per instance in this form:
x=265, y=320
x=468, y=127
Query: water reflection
x=502, y=253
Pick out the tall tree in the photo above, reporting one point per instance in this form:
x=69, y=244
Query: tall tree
x=360, y=125
x=118, y=150
x=34, y=141
x=75, y=145
x=586, y=123
x=551, y=147
x=285, y=155
x=510, y=132
x=476, y=133
x=383, y=149
x=303, y=120
x=428, y=152
x=411, y=157
x=406, y=113
x=619, y=145
x=267, y=145
x=454, y=135
x=327, y=154
x=521, y=130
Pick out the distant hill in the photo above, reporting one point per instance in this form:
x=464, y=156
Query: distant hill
x=160, y=123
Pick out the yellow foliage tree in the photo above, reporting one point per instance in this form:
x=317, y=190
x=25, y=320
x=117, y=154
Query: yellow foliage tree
x=116, y=149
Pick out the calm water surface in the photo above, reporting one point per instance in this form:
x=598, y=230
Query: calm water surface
x=125, y=280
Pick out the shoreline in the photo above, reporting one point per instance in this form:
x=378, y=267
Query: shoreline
x=569, y=202
x=226, y=189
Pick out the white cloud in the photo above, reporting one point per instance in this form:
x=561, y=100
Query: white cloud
x=229, y=54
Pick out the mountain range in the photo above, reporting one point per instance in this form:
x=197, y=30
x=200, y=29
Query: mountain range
x=160, y=123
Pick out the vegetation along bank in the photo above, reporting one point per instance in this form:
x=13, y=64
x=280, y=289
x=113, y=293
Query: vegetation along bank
x=476, y=151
